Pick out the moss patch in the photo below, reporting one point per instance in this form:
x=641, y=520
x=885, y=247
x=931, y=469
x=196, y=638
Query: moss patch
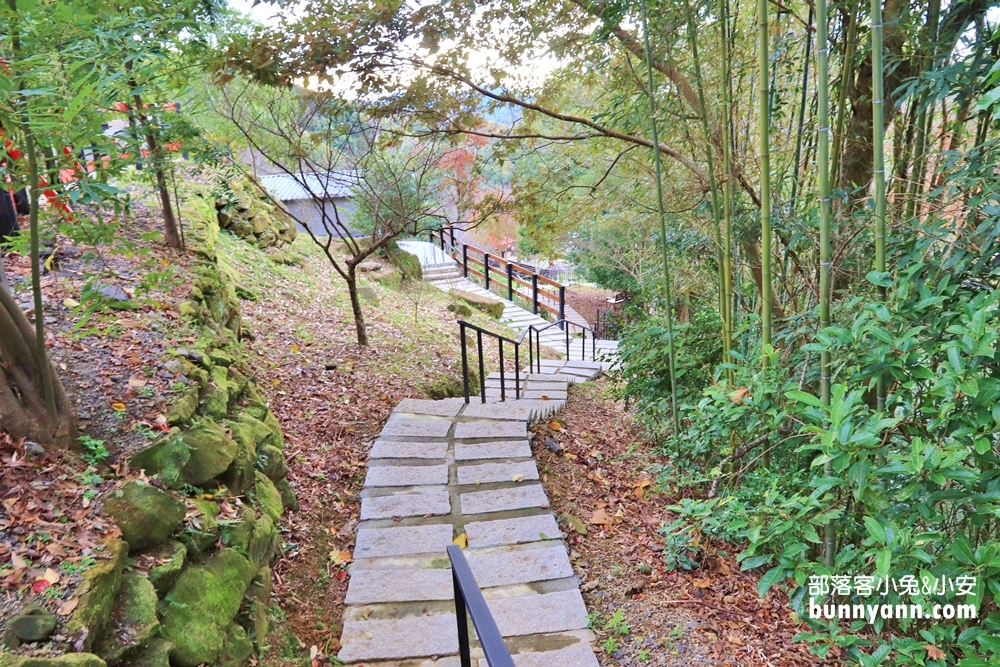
x=146, y=515
x=199, y=608
x=101, y=584
x=133, y=618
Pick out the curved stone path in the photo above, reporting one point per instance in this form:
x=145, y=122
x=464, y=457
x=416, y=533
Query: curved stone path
x=443, y=469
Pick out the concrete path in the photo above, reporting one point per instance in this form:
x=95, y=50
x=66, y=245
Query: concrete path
x=442, y=271
x=442, y=470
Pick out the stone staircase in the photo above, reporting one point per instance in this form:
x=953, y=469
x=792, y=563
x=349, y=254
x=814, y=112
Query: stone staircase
x=443, y=272
x=443, y=472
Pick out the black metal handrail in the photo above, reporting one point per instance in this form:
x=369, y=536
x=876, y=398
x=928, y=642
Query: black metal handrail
x=534, y=343
x=468, y=598
x=564, y=325
x=463, y=326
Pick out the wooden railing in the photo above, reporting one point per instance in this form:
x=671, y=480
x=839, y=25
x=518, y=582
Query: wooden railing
x=502, y=276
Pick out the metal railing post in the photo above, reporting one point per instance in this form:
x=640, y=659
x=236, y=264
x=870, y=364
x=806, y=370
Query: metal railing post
x=465, y=261
x=463, y=623
x=482, y=369
x=430, y=237
x=465, y=361
x=583, y=350
x=503, y=389
x=562, y=303
x=452, y=230
x=486, y=269
x=517, y=372
x=510, y=281
x=566, y=330
x=534, y=293
x=442, y=240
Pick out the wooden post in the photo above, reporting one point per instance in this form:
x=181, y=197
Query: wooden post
x=465, y=261
x=534, y=293
x=486, y=269
x=510, y=281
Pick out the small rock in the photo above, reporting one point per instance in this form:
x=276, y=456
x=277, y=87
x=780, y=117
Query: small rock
x=553, y=446
x=589, y=586
x=113, y=292
x=369, y=267
x=33, y=624
x=33, y=449
x=175, y=366
x=194, y=356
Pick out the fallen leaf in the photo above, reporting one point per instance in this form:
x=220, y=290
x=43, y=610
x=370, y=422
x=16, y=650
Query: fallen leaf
x=40, y=585
x=135, y=382
x=67, y=607
x=340, y=557
x=555, y=426
x=18, y=562
x=733, y=639
x=164, y=261
x=118, y=407
x=600, y=517
x=51, y=576
x=703, y=583
x=295, y=347
x=517, y=478
x=71, y=303
x=462, y=540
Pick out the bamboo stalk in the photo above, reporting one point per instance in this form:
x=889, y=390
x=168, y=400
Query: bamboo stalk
x=802, y=113
x=712, y=183
x=763, y=89
x=667, y=298
x=878, y=146
x=727, y=168
x=823, y=174
x=845, y=72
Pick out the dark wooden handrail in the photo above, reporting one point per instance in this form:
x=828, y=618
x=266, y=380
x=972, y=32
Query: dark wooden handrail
x=504, y=272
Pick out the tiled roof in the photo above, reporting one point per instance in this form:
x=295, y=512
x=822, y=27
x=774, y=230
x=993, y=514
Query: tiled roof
x=335, y=185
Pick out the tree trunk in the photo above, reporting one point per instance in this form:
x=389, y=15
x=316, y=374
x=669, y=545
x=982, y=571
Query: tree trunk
x=23, y=411
x=359, y=316
x=170, y=232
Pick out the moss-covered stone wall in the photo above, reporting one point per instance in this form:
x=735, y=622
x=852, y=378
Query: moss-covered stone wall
x=189, y=581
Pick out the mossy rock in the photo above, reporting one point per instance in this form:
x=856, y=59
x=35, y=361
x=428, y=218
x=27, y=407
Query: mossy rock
x=146, y=514
x=97, y=593
x=171, y=556
x=268, y=498
x=212, y=451
x=257, y=433
x=237, y=533
x=262, y=541
x=491, y=307
x=391, y=278
x=196, y=614
x=368, y=295
x=34, y=623
x=68, y=660
x=133, y=619
x=255, y=405
x=215, y=401
x=452, y=386
x=237, y=649
x=258, y=598
x=408, y=265
x=155, y=654
x=274, y=426
x=165, y=459
x=460, y=309
x=237, y=383
x=202, y=531
x=220, y=358
x=271, y=462
x=240, y=475
x=288, y=498
x=183, y=408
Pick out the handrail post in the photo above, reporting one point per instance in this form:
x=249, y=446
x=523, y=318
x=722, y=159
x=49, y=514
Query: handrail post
x=486, y=269
x=482, y=369
x=562, y=303
x=430, y=236
x=465, y=261
x=531, y=352
x=534, y=293
x=517, y=372
x=503, y=389
x=583, y=350
x=566, y=330
x=510, y=281
x=465, y=360
x=452, y=230
x=442, y=240
x=463, y=623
